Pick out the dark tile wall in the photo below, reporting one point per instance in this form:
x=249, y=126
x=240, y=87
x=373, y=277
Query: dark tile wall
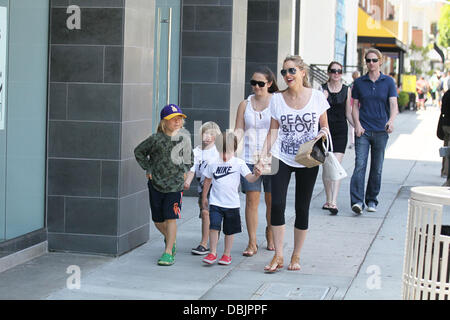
x=206, y=61
x=210, y=29
x=262, y=37
x=96, y=197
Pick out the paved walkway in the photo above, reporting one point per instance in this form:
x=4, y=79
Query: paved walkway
x=344, y=256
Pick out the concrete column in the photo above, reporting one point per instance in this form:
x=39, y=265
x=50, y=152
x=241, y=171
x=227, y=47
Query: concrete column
x=99, y=109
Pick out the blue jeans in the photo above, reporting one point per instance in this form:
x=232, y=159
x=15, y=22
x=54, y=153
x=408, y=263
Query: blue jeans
x=375, y=141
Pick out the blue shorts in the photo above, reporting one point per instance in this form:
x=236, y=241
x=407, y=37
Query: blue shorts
x=256, y=186
x=164, y=206
x=231, y=219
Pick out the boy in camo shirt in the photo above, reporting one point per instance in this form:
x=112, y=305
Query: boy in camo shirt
x=166, y=156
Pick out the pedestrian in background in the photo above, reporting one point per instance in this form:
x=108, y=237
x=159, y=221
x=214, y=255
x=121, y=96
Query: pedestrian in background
x=204, y=155
x=166, y=174
x=374, y=110
x=224, y=203
x=338, y=96
x=434, y=87
x=252, y=125
x=422, y=90
x=297, y=113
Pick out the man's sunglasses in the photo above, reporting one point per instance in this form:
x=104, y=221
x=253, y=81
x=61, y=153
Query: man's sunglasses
x=335, y=71
x=371, y=60
x=290, y=70
x=260, y=84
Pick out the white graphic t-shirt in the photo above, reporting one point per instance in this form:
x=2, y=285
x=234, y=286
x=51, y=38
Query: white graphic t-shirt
x=225, y=182
x=296, y=126
x=201, y=159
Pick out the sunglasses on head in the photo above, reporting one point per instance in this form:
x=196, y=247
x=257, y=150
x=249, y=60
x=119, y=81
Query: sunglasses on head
x=260, y=84
x=371, y=60
x=290, y=70
x=339, y=71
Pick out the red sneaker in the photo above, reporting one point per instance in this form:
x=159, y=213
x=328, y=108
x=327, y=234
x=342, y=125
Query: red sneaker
x=225, y=260
x=210, y=258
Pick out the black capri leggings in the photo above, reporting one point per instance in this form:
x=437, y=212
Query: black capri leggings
x=305, y=178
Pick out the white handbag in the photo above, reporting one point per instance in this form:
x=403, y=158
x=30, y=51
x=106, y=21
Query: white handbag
x=332, y=169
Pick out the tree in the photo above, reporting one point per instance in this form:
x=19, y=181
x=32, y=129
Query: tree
x=418, y=58
x=444, y=26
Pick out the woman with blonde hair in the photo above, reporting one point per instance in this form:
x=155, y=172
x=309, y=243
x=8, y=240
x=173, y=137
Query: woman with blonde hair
x=297, y=113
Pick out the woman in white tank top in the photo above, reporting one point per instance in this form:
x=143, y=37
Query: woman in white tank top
x=252, y=124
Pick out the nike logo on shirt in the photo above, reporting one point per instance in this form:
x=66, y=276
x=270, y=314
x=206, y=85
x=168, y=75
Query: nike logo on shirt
x=222, y=172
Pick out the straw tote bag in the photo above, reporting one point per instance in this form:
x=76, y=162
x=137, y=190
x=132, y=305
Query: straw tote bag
x=312, y=153
x=332, y=169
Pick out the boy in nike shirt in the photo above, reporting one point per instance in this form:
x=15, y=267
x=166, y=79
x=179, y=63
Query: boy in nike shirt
x=224, y=202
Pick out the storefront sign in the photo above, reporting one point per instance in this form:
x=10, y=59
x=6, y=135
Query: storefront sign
x=3, y=36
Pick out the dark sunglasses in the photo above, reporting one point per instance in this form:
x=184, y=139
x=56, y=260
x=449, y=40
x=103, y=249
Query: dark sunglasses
x=290, y=70
x=371, y=60
x=335, y=71
x=260, y=84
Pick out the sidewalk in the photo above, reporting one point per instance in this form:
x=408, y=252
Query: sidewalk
x=344, y=257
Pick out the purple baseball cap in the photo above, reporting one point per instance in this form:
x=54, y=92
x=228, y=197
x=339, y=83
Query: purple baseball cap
x=170, y=111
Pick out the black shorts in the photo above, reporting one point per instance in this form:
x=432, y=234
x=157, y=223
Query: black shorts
x=164, y=206
x=231, y=219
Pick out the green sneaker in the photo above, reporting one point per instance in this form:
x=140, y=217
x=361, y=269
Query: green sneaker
x=166, y=260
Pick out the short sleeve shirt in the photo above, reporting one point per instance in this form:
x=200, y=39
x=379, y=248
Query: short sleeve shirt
x=374, y=110
x=296, y=126
x=203, y=157
x=226, y=177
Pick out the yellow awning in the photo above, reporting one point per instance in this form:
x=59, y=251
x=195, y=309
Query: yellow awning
x=373, y=32
x=369, y=27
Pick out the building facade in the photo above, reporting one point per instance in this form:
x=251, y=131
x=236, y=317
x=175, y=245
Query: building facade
x=83, y=81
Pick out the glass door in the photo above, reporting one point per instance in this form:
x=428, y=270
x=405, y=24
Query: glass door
x=167, y=49
x=3, y=59
x=23, y=65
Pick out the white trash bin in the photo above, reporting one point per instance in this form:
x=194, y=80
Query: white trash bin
x=426, y=268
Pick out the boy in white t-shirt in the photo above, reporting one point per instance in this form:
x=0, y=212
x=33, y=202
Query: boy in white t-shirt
x=224, y=202
x=203, y=155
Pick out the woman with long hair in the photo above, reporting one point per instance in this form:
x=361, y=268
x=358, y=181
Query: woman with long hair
x=252, y=124
x=297, y=113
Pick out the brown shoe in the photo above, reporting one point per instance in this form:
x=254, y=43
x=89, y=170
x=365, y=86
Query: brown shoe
x=275, y=264
x=250, y=251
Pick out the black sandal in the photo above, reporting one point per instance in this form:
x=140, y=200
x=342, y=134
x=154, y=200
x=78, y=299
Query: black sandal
x=333, y=211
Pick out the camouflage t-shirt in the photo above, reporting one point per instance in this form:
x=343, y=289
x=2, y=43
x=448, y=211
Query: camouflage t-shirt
x=166, y=158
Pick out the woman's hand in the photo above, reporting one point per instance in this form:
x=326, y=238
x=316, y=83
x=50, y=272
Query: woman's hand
x=359, y=130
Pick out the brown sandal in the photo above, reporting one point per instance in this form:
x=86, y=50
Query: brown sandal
x=269, y=236
x=275, y=264
x=249, y=251
x=295, y=263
